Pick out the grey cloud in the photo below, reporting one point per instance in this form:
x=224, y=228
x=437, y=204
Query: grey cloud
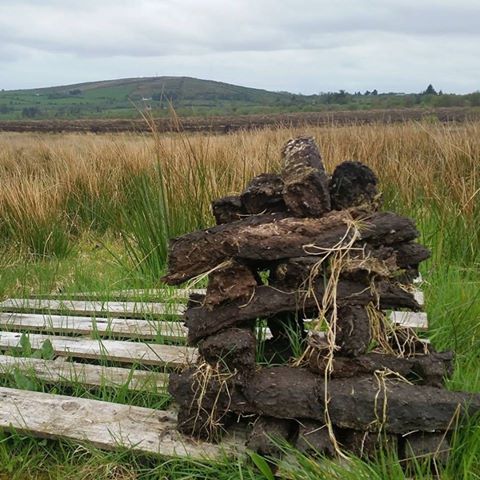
x=298, y=45
x=155, y=28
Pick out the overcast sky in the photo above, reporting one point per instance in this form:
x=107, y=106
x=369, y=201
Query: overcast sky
x=305, y=46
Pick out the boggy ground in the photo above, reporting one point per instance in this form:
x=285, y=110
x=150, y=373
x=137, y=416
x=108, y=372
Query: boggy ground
x=231, y=123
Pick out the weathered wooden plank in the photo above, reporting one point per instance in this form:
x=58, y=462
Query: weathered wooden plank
x=118, y=299
x=120, y=327
x=128, y=294
x=105, y=425
x=86, y=307
x=114, y=350
x=53, y=371
x=140, y=329
x=419, y=297
x=202, y=322
x=416, y=320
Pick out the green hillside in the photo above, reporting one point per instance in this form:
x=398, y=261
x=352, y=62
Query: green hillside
x=126, y=98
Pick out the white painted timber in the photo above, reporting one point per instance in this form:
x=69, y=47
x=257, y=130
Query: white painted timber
x=114, y=350
x=86, y=307
x=105, y=425
x=132, y=328
x=419, y=297
x=416, y=320
x=161, y=293
x=119, y=327
x=53, y=371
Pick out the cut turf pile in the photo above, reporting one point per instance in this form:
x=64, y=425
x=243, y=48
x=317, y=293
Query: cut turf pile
x=303, y=245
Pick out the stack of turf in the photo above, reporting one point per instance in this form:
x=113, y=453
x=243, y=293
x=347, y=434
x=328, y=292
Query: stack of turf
x=296, y=246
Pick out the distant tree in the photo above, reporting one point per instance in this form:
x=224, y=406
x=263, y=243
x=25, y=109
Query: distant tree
x=430, y=90
x=75, y=91
x=340, y=97
x=375, y=92
x=367, y=92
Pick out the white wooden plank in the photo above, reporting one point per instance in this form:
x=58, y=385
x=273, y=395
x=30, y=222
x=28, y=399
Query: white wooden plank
x=120, y=327
x=86, y=307
x=103, y=424
x=143, y=329
x=86, y=374
x=416, y=320
x=419, y=297
x=161, y=293
x=114, y=350
x=80, y=307
x=174, y=294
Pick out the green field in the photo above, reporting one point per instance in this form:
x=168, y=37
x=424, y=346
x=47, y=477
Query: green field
x=128, y=98
x=94, y=213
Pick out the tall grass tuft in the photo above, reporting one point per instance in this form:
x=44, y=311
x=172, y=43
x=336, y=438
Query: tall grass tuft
x=32, y=218
x=144, y=223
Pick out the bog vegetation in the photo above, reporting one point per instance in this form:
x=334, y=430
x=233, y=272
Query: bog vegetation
x=95, y=213
x=57, y=189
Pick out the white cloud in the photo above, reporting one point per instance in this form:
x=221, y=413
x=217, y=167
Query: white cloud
x=297, y=45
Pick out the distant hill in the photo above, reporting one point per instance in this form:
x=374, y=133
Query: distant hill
x=127, y=98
